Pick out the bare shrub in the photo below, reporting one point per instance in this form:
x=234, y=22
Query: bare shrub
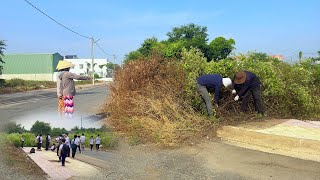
x=147, y=99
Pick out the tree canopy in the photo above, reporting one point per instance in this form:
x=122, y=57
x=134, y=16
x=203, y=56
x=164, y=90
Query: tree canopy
x=185, y=36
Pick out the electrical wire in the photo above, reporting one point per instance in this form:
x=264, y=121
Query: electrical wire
x=103, y=50
x=56, y=21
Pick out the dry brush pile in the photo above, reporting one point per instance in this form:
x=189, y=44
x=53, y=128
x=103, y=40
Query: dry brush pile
x=148, y=99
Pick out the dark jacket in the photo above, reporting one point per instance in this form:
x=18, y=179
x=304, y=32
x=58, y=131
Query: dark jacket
x=251, y=81
x=212, y=82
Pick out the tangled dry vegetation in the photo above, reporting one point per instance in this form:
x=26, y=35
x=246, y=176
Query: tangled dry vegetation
x=147, y=100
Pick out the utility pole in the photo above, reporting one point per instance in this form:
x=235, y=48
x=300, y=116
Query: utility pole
x=92, y=62
x=92, y=56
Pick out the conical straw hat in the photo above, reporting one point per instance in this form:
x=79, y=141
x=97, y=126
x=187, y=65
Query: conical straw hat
x=64, y=64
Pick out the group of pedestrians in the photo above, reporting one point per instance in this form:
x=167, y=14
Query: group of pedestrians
x=244, y=85
x=66, y=87
x=66, y=146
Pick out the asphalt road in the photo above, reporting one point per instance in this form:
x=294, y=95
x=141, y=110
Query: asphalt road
x=27, y=107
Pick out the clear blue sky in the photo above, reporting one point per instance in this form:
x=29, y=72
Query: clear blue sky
x=271, y=26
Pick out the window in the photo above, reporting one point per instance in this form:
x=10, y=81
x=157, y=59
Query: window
x=80, y=66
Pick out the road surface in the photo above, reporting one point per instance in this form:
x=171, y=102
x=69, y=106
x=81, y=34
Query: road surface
x=27, y=107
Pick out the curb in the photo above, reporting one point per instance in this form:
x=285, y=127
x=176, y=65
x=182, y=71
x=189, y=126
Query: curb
x=288, y=146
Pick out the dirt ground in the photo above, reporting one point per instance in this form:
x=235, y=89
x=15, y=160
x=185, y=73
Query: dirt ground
x=14, y=164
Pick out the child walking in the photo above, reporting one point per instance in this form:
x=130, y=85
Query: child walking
x=91, y=142
x=98, y=142
x=22, y=141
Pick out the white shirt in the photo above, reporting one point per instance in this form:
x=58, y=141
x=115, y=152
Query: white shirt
x=98, y=140
x=68, y=141
x=40, y=139
x=77, y=141
x=91, y=141
x=82, y=139
x=22, y=139
x=49, y=138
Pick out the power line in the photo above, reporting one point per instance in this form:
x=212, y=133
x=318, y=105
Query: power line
x=56, y=21
x=103, y=50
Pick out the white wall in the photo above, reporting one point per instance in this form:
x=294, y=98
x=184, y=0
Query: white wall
x=81, y=66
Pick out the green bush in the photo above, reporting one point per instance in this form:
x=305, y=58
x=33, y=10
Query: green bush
x=96, y=76
x=289, y=90
x=15, y=138
x=15, y=83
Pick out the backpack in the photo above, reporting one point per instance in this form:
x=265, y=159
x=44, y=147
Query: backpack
x=65, y=149
x=73, y=145
x=32, y=150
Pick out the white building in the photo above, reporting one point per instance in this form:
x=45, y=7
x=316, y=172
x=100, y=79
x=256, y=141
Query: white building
x=83, y=66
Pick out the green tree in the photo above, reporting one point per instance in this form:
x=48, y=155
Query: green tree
x=188, y=32
x=148, y=46
x=2, y=47
x=40, y=128
x=133, y=55
x=188, y=36
x=220, y=48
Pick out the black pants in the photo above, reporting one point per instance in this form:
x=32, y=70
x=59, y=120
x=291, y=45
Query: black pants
x=39, y=145
x=91, y=146
x=79, y=148
x=97, y=146
x=22, y=143
x=255, y=92
x=47, y=145
x=74, y=150
x=63, y=158
x=68, y=153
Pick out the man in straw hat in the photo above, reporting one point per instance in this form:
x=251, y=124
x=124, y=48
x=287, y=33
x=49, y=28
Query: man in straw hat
x=67, y=87
x=209, y=82
x=246, y=84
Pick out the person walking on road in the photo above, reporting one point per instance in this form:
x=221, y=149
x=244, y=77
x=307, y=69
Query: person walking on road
x=246, y=84
x=98, y=142
x=63, y=151
x=59, y=142
x=48, y=138
x=22, y=141
x=82, y=142
x=68, y=143
x=78, y=143
x=91, y=142
x=211, y=83
x=67, y=87
x=39, y=142
x=74, y=146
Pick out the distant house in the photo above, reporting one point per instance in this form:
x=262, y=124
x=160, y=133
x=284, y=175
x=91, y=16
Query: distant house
x=39, y=67
x=83, y=66
x=278, y=56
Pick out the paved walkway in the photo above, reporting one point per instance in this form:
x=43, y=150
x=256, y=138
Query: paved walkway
x=48, y=162
x=288, y=137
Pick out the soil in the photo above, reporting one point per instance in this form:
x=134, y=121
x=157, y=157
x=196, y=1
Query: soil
x=14, y=164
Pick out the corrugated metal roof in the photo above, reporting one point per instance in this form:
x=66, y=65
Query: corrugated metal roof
x=40, y=63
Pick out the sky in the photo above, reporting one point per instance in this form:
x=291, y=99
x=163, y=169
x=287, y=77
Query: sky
x=271, y=26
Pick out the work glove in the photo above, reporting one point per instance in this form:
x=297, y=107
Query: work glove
x=234, y=91
x=236, y=98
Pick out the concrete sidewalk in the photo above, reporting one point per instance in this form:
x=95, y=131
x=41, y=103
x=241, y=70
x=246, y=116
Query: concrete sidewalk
x=289, y=137
x=48, y=162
